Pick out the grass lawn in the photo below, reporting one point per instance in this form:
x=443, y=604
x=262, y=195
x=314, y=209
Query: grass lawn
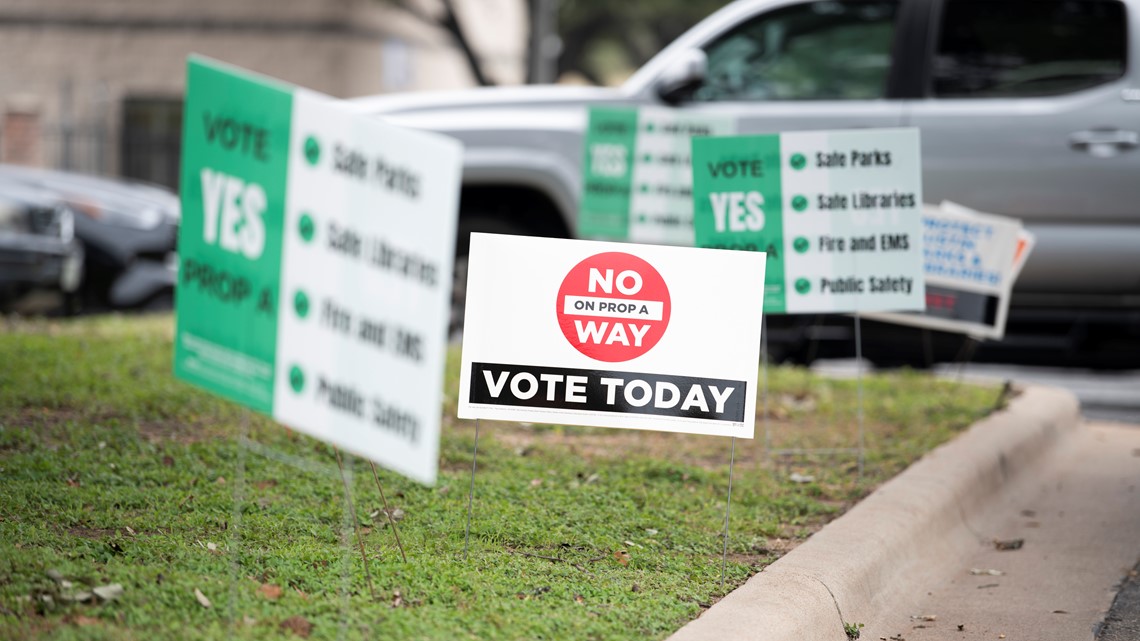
x=113, y=472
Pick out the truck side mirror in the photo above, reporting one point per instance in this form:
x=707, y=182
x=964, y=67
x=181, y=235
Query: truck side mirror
x=686, y=72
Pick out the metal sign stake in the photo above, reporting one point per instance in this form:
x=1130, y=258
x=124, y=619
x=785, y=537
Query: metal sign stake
x=471, y=491
x=764, y=386
x=235, y=515
x=859, y=387
x=355, y=523
x=727, y=509
x=965, y=355
x=388, y=511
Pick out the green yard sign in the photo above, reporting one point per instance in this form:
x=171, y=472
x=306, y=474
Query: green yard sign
x=316, y=252
x=838, y=213
x=637, y=181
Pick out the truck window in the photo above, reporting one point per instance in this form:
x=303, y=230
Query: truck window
x=813, y=51
x=1010, y=48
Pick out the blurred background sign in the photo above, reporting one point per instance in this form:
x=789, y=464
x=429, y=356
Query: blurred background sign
x=971, y=262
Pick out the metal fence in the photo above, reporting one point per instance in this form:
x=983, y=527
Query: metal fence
x=135, y=137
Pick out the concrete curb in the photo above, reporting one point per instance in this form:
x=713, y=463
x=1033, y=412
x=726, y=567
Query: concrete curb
x=916, y=521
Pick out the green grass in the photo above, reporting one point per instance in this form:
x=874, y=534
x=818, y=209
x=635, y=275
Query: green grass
x=114, y=472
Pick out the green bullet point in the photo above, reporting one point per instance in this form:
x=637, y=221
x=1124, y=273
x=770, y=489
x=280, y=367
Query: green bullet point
x=296, y=379
x=307, y=227
x=644, y=189
x=798, y=161
x=312, y=150
x=649, y=127
x=647, y=158
x=301, y=304
x=799, y=203
x=803, y=285
x=801, y=244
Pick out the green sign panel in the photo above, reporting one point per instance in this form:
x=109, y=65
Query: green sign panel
x=235, y=151
x=745, y=211
x=608, y=168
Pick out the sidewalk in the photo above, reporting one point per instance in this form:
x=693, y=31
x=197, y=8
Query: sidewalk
x=1067, y=489
x=1079, y=516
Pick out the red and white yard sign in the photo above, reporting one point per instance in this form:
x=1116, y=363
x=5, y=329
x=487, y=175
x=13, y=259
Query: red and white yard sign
x=612, y=335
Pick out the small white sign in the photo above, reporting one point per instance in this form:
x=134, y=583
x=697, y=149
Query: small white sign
x=612, y=335
x=971, y=261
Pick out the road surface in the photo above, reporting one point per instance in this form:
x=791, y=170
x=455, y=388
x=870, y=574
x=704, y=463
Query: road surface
x=1073, y=527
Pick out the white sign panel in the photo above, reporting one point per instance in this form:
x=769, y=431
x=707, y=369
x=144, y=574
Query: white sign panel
x=377, y=276
x=612, y=335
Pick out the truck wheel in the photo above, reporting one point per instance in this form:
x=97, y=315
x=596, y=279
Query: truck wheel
x=468, y=224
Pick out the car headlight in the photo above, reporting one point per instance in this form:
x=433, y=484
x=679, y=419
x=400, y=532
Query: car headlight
x=56, y=222
x=13, y=219
x=66, y=224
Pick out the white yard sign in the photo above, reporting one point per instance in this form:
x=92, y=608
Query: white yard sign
x=612, y=335
x=971, y=262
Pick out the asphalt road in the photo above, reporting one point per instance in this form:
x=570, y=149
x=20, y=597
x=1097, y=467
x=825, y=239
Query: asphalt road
x=1122, y=623
x=1105, y=395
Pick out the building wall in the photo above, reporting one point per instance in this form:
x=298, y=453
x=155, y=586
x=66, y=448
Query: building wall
x=71, y=64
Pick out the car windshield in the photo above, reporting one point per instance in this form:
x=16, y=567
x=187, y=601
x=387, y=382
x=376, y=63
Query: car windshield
x=813, y=51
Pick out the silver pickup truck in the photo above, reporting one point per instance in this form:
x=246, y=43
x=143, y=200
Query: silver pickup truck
x=1027, y=108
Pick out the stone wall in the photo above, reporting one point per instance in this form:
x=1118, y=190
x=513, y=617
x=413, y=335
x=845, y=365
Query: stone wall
x=70, y=64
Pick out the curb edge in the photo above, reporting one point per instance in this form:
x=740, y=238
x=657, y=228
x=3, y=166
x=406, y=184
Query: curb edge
x=851, y=567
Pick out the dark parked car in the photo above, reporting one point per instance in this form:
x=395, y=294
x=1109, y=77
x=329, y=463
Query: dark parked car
x=129, y=233
x=38, y=250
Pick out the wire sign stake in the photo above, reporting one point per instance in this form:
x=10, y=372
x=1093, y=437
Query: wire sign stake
x=471, y=491
x=727, y=511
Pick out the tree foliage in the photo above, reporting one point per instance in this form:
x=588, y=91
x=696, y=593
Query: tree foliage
x=444, y=17
x=601, y=39
x=630, y=31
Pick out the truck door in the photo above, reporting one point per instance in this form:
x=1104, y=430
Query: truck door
x=1030, y=112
